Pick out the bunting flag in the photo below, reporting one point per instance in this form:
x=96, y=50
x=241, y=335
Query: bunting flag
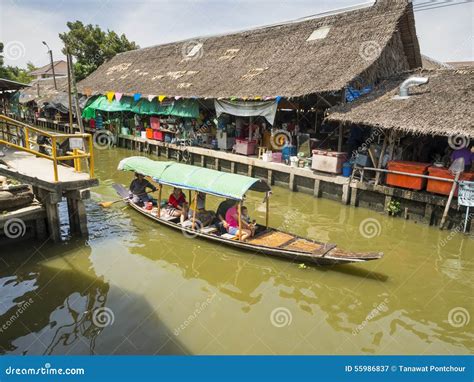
x=88, y=92
x=267, y=98
x=177, y=97
x=161, y=98
x=110, y=96
x=150, y=97
x=118, y=96
x=278, y=98
x=244, y=98
x=137, y=96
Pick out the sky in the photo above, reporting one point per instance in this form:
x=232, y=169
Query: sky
x=445, y=34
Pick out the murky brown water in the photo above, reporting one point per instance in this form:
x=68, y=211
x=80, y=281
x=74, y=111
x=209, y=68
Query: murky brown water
x=139, y=288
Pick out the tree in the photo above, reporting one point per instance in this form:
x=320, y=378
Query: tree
x=15, y=73
x=91, y=46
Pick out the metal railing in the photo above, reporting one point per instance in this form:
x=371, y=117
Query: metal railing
x=21, y=136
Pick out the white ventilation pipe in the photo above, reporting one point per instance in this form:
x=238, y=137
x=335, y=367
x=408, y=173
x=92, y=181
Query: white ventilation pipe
x=411, y=82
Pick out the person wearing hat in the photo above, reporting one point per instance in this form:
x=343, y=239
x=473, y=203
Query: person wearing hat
x=138, y=190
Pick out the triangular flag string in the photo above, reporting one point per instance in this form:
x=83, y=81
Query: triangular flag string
x=150, y=97
x=118, y=96
x=161, y=98
x=110, y=96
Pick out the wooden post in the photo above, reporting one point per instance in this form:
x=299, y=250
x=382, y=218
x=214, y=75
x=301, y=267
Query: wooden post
x=341, y=128
x=267, y=209
x=159, y=200
x=239, y=212
x=379, y=164
x=194, y=209
x=69, y=93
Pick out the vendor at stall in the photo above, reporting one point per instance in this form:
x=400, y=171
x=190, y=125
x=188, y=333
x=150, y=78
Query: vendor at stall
x=465, y=153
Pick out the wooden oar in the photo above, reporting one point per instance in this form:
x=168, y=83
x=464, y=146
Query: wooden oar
x=108, y=204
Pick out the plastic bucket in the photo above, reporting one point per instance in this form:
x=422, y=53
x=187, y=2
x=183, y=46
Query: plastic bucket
x=346, y=169
x=294, y=161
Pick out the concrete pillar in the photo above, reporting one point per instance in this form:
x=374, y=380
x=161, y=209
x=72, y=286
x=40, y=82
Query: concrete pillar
x=428, y=217
x=270, y=177
x=232, y=167
x=52, y=218
x=203, y=161
x=317, y=188
x=388, y=199
x=168, y=153
x=216, y=164
x=191, y=158
x=250, y=170
x=354, y=199
x=291, y=184
x=346, y=193
x=77, y=211
x=157, y=150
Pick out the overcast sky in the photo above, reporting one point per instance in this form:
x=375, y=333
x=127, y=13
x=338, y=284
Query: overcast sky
x=445, y=34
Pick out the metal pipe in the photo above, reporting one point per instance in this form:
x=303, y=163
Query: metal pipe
x=412, y=81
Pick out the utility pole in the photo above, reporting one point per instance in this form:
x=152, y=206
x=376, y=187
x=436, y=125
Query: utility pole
x=69, y=91
x=52, y=64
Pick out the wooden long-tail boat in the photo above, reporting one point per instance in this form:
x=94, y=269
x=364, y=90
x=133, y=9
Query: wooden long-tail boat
x=266, y=241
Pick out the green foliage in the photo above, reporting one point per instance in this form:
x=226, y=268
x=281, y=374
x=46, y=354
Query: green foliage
x=13, y=72
x=91, y=46
x=394, y=207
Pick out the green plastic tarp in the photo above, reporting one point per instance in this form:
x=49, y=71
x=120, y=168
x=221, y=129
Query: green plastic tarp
x=205, y=180
x=186, y=108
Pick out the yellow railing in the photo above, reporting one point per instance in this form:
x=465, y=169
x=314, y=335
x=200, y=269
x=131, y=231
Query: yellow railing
x=18, y=135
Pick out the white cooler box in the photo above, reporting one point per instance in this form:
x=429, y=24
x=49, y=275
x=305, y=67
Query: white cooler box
x=224, y=142
x=328, y=161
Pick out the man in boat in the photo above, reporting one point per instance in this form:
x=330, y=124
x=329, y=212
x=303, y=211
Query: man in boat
x=232, y=219
x=202, y=215
x=246, y=218
x=138, y=190
x=177, y=205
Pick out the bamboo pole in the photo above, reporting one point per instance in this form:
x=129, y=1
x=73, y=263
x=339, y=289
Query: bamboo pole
x=159, y=199
x=267, y=209
x=450, y=198
x=239, y=213
x=379, y=164
x=194, y=209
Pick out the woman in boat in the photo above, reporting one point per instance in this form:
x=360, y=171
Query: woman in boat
x=138, y=190
x=177, y=205
x=232, y=219
x=202, y=215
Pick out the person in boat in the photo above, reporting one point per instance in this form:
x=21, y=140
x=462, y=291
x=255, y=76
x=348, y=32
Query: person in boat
x=232, y=219
x=138, y=190
x=221, y=223
x=246, y=218
x=202, y=215
x=177, y=205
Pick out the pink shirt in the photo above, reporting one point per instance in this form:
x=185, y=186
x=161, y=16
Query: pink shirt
x=229, y=217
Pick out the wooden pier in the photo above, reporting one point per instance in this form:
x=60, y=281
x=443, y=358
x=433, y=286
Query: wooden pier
x=48, y=174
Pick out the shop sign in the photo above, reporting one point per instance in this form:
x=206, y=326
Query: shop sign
x=466, y=194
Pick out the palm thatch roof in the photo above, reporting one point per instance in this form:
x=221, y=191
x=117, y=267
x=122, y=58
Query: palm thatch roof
x=442, y=107
x=431, y=63
x=314, y=55
x=42, y=90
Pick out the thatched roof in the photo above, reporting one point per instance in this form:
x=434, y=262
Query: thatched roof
x=431, y=63
x=42, y=90
x=271, y=61
x=443, y=106
x=60, y=69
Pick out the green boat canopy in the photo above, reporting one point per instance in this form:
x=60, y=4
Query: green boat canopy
x=205, y=180
x=186, y=108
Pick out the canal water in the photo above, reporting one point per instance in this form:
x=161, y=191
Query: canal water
x=134, y=287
